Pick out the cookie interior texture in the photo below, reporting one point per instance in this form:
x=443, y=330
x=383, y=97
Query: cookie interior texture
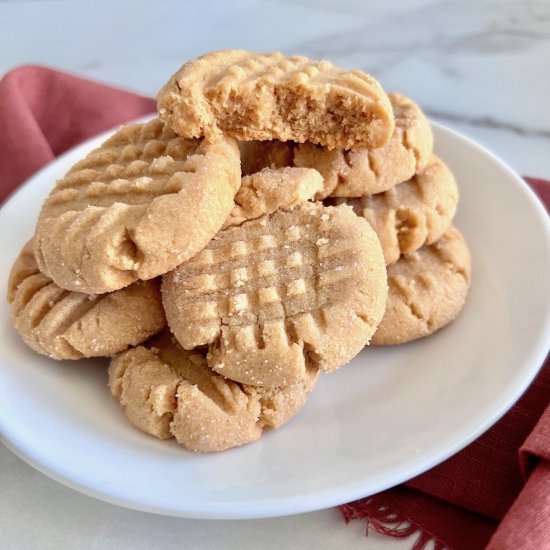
x=135, y=208
x=270, y=96
x=168, y=392
x=427, y=290
x=290, y=291
x=62, y=324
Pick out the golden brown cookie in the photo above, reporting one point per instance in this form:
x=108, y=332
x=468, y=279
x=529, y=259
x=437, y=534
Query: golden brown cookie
x=168, y=392
x=136, y=207
x=410, y=214
x=427, y=290
x=269, y=189
x=254, y=96
x=277, y=295
x=70, y=325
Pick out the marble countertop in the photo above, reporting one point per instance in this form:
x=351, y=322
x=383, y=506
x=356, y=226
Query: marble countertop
x=480, y=67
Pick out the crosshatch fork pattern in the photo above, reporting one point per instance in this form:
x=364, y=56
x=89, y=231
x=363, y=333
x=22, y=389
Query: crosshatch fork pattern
x=297, y=70
x=134, y=166
x=293, y=290
x=124, y=213
x=273, y=275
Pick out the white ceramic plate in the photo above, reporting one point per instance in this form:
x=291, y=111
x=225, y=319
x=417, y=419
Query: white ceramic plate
x=388, y=416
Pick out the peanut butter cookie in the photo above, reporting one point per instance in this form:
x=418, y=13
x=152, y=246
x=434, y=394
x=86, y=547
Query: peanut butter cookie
x=136, y=207
x=71, y=325
x=275, y=296
x=410, y=214
x=253, y=96
x=168, y=392
x=427, y=290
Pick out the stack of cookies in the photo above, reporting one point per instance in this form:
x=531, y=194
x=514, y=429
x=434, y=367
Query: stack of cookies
x=227, y=252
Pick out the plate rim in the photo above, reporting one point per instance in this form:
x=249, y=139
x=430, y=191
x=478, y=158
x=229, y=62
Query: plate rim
x=326, y=497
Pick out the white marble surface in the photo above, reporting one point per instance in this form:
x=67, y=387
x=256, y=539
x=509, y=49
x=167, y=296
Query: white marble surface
x=481, y=67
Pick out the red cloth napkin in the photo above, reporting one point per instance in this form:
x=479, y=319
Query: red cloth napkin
x=504, y=476
x=45, y=112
